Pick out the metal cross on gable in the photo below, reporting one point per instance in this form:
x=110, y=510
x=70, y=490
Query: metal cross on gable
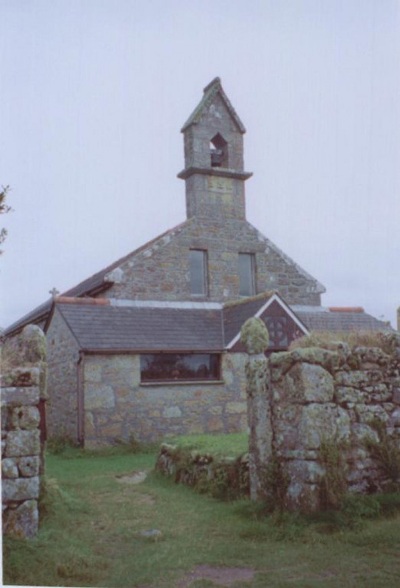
x=54, y=292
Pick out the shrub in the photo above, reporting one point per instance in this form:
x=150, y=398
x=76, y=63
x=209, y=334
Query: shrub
x=386, y=453
x=275, y=483
x=333, y=485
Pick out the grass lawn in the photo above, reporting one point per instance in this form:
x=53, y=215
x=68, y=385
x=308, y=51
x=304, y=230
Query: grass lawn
x=90, y=536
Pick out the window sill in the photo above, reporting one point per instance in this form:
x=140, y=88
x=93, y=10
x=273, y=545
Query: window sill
x=182, y=383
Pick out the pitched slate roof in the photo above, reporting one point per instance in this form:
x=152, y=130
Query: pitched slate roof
x=237, y=313
x=98, y=282
x=338, y=319
x=102, y=327
x=213, y=88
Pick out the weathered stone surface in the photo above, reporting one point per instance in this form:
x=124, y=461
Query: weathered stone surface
x=378, y=393
x=368, y=413
x=254, y=336
x=29, y=466
x=34, y=343
x=20, y=489
x=9, y=468
x=22, y=443
x=308, y=383
x=346, y=395
x=21, y=376
x=362, y=431
x=15, y=397
x=172, y=412
x=303, y=490
x=23, y=521
x=394, y=420
x=353, y=379
x=318, y=423
x=317, y=356
x=99, y=396
x=236, y=407
x=25, y=417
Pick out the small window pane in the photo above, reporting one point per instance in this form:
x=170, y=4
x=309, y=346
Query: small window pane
x=246, y=274
x=178, y=366
x=198, y=272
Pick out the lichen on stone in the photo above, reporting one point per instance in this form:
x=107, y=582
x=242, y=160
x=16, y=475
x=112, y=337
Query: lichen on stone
x=254, y=336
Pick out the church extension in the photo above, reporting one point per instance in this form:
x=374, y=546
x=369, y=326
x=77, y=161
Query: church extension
x=149, y=346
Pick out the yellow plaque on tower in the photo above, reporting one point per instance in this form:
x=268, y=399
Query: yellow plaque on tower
x=221, y=185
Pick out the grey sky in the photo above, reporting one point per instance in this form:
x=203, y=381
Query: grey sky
x=93, y=94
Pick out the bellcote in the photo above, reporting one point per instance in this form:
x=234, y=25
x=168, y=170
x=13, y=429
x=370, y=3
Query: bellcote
x=214, y=167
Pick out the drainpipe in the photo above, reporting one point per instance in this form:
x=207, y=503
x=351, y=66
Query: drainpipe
x=80, y=399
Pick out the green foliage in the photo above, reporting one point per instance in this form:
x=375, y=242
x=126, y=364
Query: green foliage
x=329, y=340
x=333, y=485
x=385, y=452
x=254, y=336
x=90, y=534
x=4, y=209
x=275, y=483
x=59, y=444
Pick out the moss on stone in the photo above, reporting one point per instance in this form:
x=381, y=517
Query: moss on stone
x=254, y=336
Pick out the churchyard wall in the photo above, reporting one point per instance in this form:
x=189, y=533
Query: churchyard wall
x=23, y=396
x=322, y=417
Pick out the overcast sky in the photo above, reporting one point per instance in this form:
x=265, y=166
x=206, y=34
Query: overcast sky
x=93, y=94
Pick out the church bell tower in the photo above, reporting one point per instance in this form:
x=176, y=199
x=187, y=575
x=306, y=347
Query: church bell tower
x=214, y=169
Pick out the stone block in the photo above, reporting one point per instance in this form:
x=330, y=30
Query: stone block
x=346, y=395
x=320, y=422
x=14, y=397
x=99, y=397
x=23, y=521
x=309, y=383
x=379, y=392
x=20, y=489
x=303, y=490
x=172, y=412
x=22, y=377
x=9, y=468
x=29, y=466
x=236, y=407
x=394, y=420
x=368, y=413
x=22, y=443
x=353, y=379
x=361, y=432
x=93, y=372
x=25, y=417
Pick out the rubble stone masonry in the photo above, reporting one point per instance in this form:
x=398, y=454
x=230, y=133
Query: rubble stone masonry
x=23, y=395
x=348, y=398
x=117, y=407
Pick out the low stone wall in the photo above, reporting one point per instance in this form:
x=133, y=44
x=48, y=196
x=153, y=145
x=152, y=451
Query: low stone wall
x=312, y=411
x=23, y=395
x=225, y=478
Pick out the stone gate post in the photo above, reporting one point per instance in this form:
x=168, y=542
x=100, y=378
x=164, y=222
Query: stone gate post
x=255, y=338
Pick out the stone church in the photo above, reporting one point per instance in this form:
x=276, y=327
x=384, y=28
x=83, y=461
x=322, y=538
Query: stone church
x=149, y=346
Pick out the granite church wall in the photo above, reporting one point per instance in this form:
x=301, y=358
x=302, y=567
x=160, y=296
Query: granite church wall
x=160, y=270
x=23, y=397
x=118, y=408
x=63, y=356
